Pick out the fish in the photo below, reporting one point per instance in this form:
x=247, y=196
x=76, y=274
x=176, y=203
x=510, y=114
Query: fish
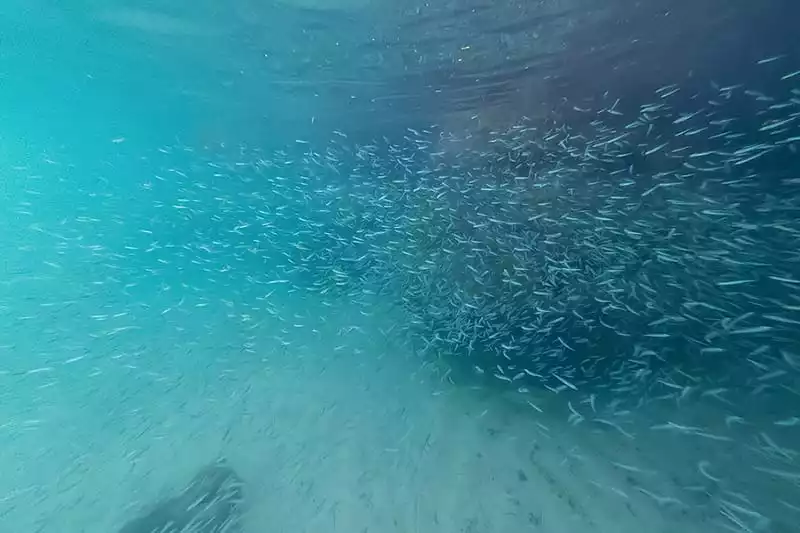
x=620, y=255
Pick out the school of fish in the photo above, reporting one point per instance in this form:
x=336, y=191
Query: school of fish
x=618, y=255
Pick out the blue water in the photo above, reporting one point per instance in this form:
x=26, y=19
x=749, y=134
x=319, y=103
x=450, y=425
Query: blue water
x=266, y=232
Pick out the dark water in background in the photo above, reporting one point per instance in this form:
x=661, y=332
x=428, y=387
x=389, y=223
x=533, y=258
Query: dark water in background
x=240, y=163
x=266, y=74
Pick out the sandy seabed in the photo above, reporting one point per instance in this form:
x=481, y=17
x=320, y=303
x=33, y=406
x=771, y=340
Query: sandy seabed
x=109, y=405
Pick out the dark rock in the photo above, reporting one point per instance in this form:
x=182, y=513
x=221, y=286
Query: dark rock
x=211, y=503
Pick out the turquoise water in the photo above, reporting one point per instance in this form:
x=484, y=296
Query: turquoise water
x=399, y=267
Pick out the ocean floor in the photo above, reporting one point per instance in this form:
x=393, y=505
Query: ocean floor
x=332, y=425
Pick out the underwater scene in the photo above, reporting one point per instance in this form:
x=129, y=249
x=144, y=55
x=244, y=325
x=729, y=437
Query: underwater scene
x=397, y=266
